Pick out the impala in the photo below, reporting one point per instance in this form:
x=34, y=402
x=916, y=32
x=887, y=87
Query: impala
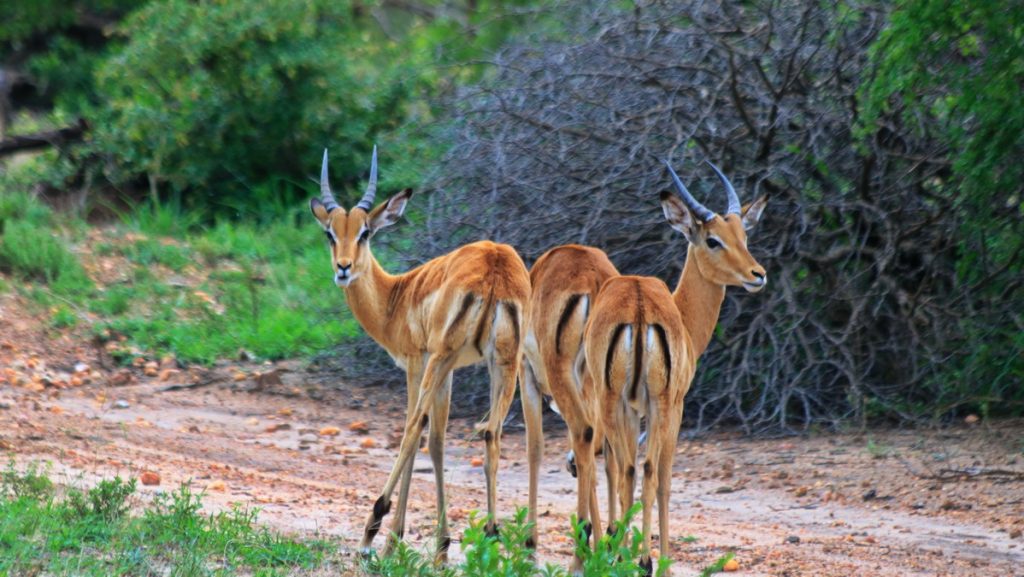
x=642, y=343
x=455, y=310
x=565, y=281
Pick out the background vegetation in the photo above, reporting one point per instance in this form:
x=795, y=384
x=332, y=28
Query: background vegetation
x=888, y=135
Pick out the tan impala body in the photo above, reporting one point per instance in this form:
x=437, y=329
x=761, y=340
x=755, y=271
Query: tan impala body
x=456, y=310
x=642, y=343
x=565, y=282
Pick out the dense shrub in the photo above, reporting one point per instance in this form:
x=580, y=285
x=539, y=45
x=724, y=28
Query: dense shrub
x=888, y=292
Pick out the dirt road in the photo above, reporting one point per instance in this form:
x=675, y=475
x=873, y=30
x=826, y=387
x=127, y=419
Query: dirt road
x=893, y=503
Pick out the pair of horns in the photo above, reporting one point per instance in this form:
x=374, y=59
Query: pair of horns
x=699, y=209
x=365, y=203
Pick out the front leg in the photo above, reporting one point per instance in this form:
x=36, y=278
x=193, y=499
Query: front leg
x=434, y=377
x=413, y=376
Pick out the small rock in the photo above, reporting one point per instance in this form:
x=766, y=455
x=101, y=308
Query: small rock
x=277, y=427
x=309, y=438
x=269, y=379
x=329, y=431
x=121, y=378
x=731, y=566
x=476, y=462
x=368, y=443
x=793, y=539
x=81, y=367
x=1015, y=534
x=971, y=419
x=917, y=505
x=285, y=412
x=801, y=491
x=724, y=489
x=359, y=427
x=239, y=376
x=121, y=404
x=150, y=478
x=168, y=374
x=869, y=495
x=216, y=486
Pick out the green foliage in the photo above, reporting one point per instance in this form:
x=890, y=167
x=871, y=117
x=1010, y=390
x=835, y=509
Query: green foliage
x=28, y=484
x=107, y=501
x=222, y=96
x=615, y=555
x=63, y=317
x=958, y=70
x=94, y=533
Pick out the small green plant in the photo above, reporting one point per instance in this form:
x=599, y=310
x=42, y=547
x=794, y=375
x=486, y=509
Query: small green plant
x=718, y=566
x=63, y=317
x=106, y=501
x=29, y=484
x=878, y=450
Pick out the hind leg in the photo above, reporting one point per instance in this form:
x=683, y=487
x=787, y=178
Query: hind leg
x=532, y=409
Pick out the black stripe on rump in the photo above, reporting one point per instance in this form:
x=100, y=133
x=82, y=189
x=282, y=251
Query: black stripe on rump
x=570, y=307
x=611, y=352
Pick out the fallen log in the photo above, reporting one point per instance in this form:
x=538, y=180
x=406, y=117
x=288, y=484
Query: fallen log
x=44, y=139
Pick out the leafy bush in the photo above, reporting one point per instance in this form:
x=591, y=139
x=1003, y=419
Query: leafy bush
x=224, y=96
x=107, y=501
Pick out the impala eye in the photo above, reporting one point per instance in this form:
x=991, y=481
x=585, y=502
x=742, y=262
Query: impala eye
x=364, y=235
x=713, y=243
x=330, y=237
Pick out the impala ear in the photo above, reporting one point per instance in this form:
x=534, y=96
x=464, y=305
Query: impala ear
x=752, y=212
x=388, y=213
x=319, y=211
x=680, y=217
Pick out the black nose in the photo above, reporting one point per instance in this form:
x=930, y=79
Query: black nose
x=757, y=275
x=343, y=270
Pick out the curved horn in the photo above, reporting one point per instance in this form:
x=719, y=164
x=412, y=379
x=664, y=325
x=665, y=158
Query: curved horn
x=734, y=199
x=698, y=209
x=366, y=203
x=326, y=198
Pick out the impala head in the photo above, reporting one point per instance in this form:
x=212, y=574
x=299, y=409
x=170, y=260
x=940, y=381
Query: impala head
x=719, y=241
x=349, y=232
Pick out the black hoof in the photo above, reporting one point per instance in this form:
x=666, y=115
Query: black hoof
x=647, y=567
x=492, y=530
x=570, y=465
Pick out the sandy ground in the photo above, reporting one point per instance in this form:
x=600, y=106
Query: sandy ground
x=883, y=503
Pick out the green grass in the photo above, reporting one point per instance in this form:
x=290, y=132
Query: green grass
x=615, y=555
x=97, y=532
x=264, y=289
x=199, y=292
x=34, y=248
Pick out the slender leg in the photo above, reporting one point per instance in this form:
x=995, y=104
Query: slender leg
x=434, y=376
x=532, y=408
x=503, y=387
x=668, y=453
x=413, y=376
x=611, y=472
x=438, y=428
x=657, y=418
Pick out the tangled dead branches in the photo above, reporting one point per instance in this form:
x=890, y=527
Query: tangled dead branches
x=863, y=313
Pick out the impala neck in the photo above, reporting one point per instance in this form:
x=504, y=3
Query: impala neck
x=699, y=301
x=368, y=300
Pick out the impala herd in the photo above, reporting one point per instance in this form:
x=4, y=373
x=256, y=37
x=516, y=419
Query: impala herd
x=607, y=350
